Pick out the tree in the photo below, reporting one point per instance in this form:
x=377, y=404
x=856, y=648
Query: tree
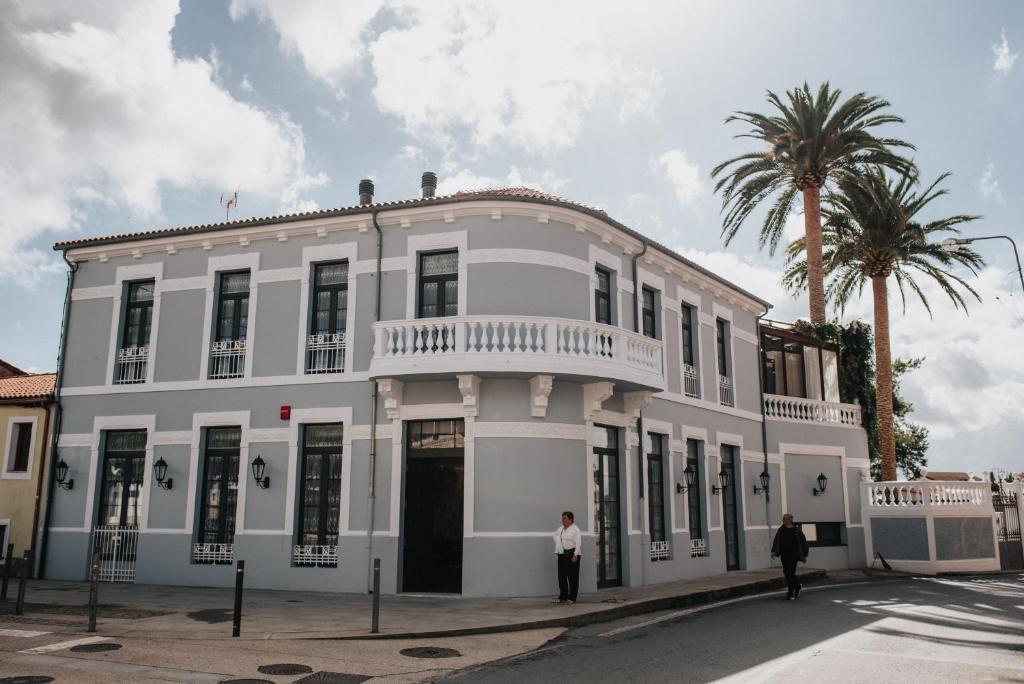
x=869, y=234
x=812, y=139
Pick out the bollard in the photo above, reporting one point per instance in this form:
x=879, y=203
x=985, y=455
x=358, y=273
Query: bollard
x=26, y=563
x=94, y=588
x=375, y=624
x=236, y=627
x=8, y=567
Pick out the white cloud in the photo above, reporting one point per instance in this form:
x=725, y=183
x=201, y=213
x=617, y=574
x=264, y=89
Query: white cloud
x=295, y=196
x=245, y=85
x=525, y=74
x=794, y=227
x=1004, y=59
x=465, y=179
x=98, y=110
x=988, y=185
x=683, y=175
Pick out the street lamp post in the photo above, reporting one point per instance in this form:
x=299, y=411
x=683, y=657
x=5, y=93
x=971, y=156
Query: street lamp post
x=954, y=244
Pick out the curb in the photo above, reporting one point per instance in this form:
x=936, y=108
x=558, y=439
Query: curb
x=617, y=613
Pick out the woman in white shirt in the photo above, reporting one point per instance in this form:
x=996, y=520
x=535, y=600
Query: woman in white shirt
x=568, y=547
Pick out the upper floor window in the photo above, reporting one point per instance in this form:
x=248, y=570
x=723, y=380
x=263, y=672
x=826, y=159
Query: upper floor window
x=124, y=469
x=797, y=366
x=691, y=379
x=650, y=327
x=603, y=297
x=19, y=448
x=325, y=348
x=656, y=496
x=133, y=354
x=725, y=388
x=227, y=353
x=439, y=284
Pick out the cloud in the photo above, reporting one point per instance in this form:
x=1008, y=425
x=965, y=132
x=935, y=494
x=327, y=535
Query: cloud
x=683, y=175
x=1004, y=59
x=794, y=227
x=525, y=75
x=98, y=111
x=465, y=179
x=988, y=185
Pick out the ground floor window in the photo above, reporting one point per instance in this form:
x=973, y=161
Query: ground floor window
x=320, y=499
x=823, y=533
x=220, y=485
x=693, y=500
x=124, y=469
x=656, y=496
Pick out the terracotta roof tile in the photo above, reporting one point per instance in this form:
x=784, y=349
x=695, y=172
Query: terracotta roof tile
x=33, y=386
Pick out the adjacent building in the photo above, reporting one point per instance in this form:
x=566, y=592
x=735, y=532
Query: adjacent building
x=432, y=382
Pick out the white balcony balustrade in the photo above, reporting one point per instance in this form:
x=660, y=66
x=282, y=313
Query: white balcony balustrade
x=698, y=548
x=725, y=393
x=227, y=359
x=325, y=353
x=213, y=553
x=799, y=410
x=131, y=365
x=516, y=344
x=315, y=555
x=691, y=381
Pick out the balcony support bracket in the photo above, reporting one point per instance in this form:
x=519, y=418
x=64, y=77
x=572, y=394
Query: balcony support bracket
x=594, y=395
x=391, y=391
x=540, y=390
x=469, y=387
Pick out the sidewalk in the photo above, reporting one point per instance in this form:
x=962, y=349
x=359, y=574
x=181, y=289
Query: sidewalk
x=151, y=611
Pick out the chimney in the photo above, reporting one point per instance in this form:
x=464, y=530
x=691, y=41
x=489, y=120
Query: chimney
x=428, y=184
x=366, y=191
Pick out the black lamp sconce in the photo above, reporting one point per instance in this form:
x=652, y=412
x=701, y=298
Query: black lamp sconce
x=258, y=468
x=765, y=480
x=62, y=476
x=723, y=478
x=822, y=484
x=160, y=474
x=690, y=476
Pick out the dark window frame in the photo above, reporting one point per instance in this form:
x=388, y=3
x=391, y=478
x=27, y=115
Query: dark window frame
x=604, y=296
x=649, y=314
x=221, y=535
x=21, y=443
x=836, y=533
x=135, y=473
x=722, y=348
x=656, y=488
x=238, y=298
x=323, y=505
x=442, y=279
x=145, y=308
x=775, y=340
x=336, y=322
x=694, y=500
x=688, y=340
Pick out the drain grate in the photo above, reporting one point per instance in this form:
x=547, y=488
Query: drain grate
x=26, y=679
x=430, y=652
x=333, y=678
x=95, y=648
x=280, y=669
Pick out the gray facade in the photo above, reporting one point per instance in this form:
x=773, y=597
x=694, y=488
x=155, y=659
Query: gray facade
x=522, y=364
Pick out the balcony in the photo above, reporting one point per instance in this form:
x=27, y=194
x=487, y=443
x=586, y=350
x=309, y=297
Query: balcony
x=325, y=353
x=725, y=394
x=517, y=345
x=227, y=359
x=131, y=365
x=800, y=410
x=691, y=381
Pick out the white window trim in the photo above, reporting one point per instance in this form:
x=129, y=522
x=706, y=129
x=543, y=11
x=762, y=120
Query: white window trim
x=217, y=419
x=664, y=429
x=690, y=298
x=128, y=274
x=729, y=439
x=101, y=424
x=428, y=243
x=720, y=312
x=313, y=416
x=215, y=266
x=317, y=255
x=712, y=464
x=7, y=473
x=656, y=283
x=605, y=259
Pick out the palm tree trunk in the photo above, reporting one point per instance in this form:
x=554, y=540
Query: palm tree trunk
x=815, y=272
x=883, y=379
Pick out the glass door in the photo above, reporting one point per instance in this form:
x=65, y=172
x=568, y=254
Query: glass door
x=730, y=514
x=606, y=506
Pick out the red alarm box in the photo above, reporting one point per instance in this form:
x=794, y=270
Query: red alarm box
x=286, y=412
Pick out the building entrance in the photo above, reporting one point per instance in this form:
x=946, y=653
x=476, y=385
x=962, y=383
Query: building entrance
x=606, y=506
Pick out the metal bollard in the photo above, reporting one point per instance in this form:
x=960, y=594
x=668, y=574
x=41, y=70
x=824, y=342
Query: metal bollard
x=26, y=563
x=94, y=589
x=8, y=567
x=375, y=624
x=236, y=627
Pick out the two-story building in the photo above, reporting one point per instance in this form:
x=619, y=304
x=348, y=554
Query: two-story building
x=432, y=382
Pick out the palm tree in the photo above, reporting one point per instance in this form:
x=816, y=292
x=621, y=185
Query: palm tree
x=811, y=140
x=871, y=233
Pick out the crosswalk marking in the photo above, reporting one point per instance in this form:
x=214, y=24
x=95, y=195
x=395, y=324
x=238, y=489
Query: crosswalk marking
x=20, y=633
x=63, y=644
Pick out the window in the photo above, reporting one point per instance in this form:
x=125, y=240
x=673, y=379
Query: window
x=689, y=357
x=4, y=526
x=325, y=348
x=691, y=379
x=439, y=284
x=320, y=502
x=124, y=466
x=823, y=533
x=650, y=326
x=693, y=493
x=227, y=353
x=133, y=355
x=725, y=388
x=603, y=297
x=20, y=448
x=220, y=486
x=798, y=366
x=656, y=491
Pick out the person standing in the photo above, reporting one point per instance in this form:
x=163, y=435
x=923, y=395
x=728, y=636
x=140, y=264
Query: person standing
x=790, y=545
x=568, y=547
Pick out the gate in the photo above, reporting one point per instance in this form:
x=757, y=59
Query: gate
x=117, y=546
x=1011, y=552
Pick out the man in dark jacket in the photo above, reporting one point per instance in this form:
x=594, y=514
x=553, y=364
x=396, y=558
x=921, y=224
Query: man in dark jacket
x=791, y=545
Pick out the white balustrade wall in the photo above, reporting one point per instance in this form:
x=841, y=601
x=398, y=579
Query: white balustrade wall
x=799, y=410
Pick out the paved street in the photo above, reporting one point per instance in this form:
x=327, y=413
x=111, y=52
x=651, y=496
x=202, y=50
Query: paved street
x=934, y=630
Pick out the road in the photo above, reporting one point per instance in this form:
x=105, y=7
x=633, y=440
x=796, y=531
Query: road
x=965, y=629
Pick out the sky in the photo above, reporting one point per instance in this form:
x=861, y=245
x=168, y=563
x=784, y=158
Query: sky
x=132, y=115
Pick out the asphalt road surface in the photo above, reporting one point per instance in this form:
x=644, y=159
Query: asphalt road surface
x=963, y=629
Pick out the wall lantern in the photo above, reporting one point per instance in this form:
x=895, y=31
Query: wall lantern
x=765, y=479
x=160, y=474
x=62, y=476
x=723, y=477
x=822, y=484
x=690, y=476
x=258, y=466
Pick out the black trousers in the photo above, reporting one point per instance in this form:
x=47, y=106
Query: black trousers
x=789, y=570
x=568, y=576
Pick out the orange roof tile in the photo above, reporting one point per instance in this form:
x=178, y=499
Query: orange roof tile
x=33, y=386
